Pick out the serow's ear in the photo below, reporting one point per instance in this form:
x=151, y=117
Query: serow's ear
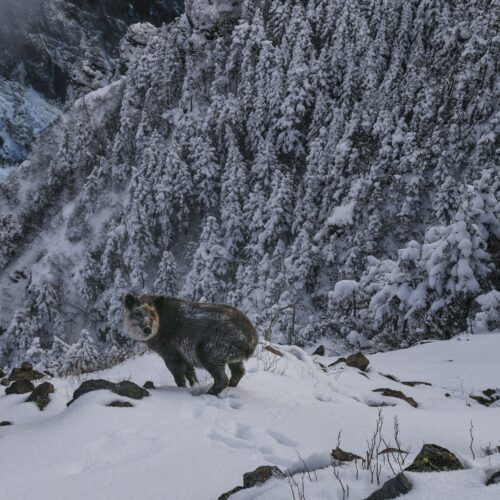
x=130, y=301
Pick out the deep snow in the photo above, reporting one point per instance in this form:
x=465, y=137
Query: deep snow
x=178, y=444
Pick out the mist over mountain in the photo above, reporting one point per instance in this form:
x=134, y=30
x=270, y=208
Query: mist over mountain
x=330, y=167
x=52, y=51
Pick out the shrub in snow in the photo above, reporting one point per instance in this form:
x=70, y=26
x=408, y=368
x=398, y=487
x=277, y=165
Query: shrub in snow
x=488, y=318
x=56, y=357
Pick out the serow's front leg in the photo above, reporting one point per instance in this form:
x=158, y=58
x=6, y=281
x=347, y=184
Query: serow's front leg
x=177, y=367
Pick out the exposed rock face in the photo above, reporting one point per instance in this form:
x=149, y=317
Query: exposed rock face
x=393, y=488
x=53, y=51
x=433, y=458
x=207, y=15
x=125, y=388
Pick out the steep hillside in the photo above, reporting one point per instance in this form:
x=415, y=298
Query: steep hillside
x=327, y=166
x=57, y=50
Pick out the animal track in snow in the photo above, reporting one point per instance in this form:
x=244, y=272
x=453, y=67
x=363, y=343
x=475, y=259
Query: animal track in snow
x=282, y=439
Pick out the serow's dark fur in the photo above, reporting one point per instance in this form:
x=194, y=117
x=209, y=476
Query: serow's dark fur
x=188, y=335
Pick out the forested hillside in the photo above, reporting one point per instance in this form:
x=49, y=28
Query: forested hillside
x=328, y=166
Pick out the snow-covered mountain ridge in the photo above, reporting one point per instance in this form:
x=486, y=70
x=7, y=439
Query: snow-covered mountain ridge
x=327, y=167
x=179, y=444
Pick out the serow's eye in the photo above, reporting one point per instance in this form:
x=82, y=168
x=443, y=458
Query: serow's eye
x=147, y=330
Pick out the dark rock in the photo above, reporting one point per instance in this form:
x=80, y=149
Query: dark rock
x=447, y=394
x=4, y=423
x=261, y=475
x=20, y=387
x=49, y=374
x=489, y=393
x=412, y=383
x=340, y=360
x=481, y=400
x=320, y=351
x=125, y=388
x=226, y=495
x=5, y=381
x=120, y=404
x=488, y=397
x=2, y=374
x=397, y=394
x=26, y=366
x=494, y=479
x=393, y=488
x=149, y=385
x=357, y=360
x=433, y=458
x=390, y=377
x=344, y=456
x=40, y=395
x=374, y=404
x=20, y=374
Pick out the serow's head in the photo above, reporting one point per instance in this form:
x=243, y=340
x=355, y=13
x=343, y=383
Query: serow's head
x=141, y=320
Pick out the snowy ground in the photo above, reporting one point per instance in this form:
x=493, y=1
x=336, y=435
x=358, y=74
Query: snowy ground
x=178, y=444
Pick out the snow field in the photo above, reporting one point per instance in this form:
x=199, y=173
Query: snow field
x=182, y=444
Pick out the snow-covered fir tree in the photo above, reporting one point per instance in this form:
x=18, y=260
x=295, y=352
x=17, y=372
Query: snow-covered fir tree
x=265, y=160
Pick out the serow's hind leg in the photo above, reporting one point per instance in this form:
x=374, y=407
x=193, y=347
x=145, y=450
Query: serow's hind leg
x=237, y=372
x=220, y=378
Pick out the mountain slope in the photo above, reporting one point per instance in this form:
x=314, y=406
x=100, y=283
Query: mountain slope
x=327, y=167
x=59, y=50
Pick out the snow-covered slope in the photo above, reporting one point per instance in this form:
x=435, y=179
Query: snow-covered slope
x=179, y=444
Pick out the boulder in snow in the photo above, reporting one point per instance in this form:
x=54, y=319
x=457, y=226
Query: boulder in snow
x=125, y=388
x=494, y=478
x=488, y=397
x=344, y=456
x=5, y=423
x=40, y=395
x=393, y=488
x=148, y=385
x=261, y=475
x=433, y=458
x=357, y=360
x=20, y=387
x=24, y=373
x=320, y=351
